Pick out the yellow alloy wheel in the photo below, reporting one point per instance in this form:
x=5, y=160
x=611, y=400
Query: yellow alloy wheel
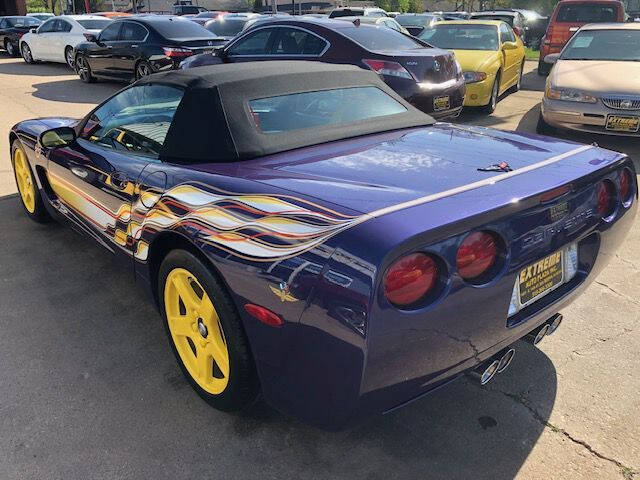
x=25, y=180
x=196, y=331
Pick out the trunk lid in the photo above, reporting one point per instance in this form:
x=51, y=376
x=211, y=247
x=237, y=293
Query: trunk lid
x=377, y=171
x=430, y=64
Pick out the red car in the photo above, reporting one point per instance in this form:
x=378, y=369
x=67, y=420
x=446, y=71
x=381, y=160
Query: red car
x=568, y=17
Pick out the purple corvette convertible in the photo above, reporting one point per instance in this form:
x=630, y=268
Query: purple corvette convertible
x=308, y=234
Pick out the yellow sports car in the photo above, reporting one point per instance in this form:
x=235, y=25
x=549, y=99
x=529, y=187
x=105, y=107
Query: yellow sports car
x=491, y=55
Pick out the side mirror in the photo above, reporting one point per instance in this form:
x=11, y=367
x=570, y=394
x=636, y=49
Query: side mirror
x=57, y=137
x=90, y=37
x=509, y=45
x=33, y=30
x=552, y=58
x=517, y=31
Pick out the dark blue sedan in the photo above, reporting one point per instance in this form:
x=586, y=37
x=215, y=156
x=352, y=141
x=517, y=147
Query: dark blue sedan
x=308, y=234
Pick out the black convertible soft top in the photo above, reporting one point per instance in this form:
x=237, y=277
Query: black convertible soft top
x=213, y=122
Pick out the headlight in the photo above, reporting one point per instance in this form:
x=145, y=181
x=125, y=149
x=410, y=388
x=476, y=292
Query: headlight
x=570, y=95
x=474, y=77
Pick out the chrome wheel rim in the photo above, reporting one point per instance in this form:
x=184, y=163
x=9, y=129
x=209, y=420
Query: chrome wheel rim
x=494, y=95
x=82, y=68
x=70, y=61
x=10, y=50
x=143, y=70
x=26, y=53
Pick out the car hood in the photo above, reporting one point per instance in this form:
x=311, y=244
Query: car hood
x=376, y=171
x=475, y=60
x=597, y=76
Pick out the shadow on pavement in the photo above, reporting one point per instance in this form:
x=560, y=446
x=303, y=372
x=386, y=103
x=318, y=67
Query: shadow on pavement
x=88, y=374
x=20, y=67
x=533, y=82
x=74, y=91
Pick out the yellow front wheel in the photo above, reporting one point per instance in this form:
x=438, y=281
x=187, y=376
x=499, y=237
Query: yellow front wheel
x=205, y=332
x=27, y=187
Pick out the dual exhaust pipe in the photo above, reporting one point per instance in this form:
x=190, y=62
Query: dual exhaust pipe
x=548, y=328
x=501, y=361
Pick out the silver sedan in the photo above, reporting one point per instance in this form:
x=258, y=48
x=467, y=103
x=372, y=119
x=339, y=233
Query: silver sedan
x=593, y=86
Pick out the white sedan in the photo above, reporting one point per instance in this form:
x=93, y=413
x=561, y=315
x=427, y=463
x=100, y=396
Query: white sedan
x=55, y=39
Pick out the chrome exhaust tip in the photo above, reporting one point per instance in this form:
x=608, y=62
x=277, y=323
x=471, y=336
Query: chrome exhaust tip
x=537, y=335
x=485, y=372
x=554, y=324
x=505, y=360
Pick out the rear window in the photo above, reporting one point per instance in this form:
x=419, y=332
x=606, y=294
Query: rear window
x=23, y=22
x=380, y=38
x=94, y=24
x=503, y=18
x=346, y=13
x=181, y=29
x=188, y=10
x=322, y=108
x=587, y=13
x=414, y=20
x=226, y=28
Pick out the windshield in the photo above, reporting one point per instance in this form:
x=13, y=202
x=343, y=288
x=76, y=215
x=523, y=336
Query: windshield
x=323, y=108
x=177, y=29
x=613, y=45
x=380, y=38
x=23, y=22
x=227, y=28
x=462, y=37
x=94, y=24
x=414, y=20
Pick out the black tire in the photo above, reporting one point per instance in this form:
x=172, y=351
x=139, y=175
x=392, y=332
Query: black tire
x=543, y=68
x=11, y=49
x=39, y=213
x=69, y=57
x=27, y=56
x=242, y=387
x=495, y=92
x=543, y=128
x=143, y=68
x=83, y=69
x=518, y=85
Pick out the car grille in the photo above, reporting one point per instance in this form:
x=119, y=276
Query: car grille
x=622, y=103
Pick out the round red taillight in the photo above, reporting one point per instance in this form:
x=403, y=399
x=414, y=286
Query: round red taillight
x=625, y=185
x=410, y=278
x=606, y=195
x=476, y=254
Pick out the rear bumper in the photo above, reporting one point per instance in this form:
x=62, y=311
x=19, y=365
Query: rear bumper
x=422, y=96
x=584, y=117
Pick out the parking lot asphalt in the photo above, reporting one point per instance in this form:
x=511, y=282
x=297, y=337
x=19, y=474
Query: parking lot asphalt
x=89, y=387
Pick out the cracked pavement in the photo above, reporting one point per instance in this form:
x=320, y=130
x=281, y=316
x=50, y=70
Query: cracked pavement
x=89, y=388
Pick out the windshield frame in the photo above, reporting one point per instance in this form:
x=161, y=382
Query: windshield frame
x=13, y=20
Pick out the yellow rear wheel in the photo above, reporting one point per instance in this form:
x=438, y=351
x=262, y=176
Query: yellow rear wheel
x=196, y=331
x=24, y=179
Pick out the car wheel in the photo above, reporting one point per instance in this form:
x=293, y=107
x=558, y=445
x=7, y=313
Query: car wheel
x=27, y=188
x=543, y=68
x=205, y=332
x=518, y=85
x=493, y=101
x=26, y=53
x=10, y=48
x=143, y=69
x=69, y=57
x=543, y=127
x=83, y=69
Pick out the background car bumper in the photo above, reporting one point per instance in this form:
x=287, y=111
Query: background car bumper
x=584, y=117
x=479, y=93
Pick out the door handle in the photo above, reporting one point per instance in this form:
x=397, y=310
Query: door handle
x=134, y=46
x=119, y=180
x=109, y=46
